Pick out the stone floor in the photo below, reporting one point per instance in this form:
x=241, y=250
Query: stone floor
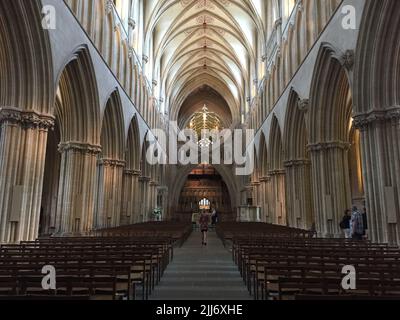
x=201, y=273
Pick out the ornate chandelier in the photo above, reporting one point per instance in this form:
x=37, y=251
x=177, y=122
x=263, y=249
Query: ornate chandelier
x=205, y=141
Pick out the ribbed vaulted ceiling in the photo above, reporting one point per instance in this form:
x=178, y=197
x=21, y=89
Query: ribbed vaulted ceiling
x=205, y=42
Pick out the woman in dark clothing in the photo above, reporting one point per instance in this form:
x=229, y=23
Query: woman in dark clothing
x=204, y=223
x=345, y=224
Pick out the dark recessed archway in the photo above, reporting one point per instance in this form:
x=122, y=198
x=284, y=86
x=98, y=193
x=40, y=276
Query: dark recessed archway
x=204, y=182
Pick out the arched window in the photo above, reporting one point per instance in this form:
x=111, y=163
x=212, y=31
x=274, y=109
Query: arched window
x=205, y=204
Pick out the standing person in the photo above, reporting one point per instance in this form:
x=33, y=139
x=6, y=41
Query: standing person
x=204, y=222
x=214, y=218
x=345, y=224
x=313, y=230
x=356, y=225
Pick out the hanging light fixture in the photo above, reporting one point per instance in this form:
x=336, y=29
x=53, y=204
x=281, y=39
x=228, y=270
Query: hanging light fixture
x=205, y=142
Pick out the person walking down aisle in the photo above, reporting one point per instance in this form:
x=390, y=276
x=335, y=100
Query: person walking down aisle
x=204, y=223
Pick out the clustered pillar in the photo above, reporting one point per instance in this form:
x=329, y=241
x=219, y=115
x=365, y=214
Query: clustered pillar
x=264, y=200
x=299, y=196
x=76, y=199
x=380, y=143
x=110, y=192
x=278, y=203
x=153, y=195
x=144, y=198
x=23, y=140
x=331, y=185
x=130, y=202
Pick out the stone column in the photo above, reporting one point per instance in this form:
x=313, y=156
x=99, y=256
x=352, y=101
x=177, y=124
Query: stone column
x=298, y=194
x=137, y=197
x=278, y=203
x=23, y=140
x=109, y=199
x=257, y=193
x=163, y=192
x=331, y=185
x=380, y=143
x=144, y=198
x=153, y=196
x=268, y=200
x=76, y=200
x=130, y=190
x=264, y=199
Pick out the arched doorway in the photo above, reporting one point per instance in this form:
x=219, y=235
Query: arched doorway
x=204, y=189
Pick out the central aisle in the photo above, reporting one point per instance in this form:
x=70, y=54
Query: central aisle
x=201, y=273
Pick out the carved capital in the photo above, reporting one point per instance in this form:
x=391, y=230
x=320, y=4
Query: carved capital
x=154, y=184
x=277, y=172
x=132, y=23
x=364, y=120
x=297, y=163
x=322, y=146
x=109, y=6
x=278, y=23
x=77, y=147
x=300, y=5
x=394, y=116
x=131, y=52
x=347, y=59
x=264, y=57
x=135, y=173
x=303, y=105
x=113, y=163
x=144, y=179
x=26, y=119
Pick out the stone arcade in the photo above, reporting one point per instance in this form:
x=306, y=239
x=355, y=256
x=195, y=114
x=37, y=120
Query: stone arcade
x=79, y=102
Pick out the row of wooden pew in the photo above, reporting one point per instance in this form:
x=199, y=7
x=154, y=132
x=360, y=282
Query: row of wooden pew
x=177, y=231
x=109, y=265
x=280, y=263
x=227, y=231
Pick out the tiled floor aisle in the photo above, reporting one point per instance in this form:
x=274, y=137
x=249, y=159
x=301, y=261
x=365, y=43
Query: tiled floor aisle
x=201, y=273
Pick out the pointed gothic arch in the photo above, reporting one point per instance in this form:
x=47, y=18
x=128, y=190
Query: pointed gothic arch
x=298, y=164
x=277, y=173
x=330, y=118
